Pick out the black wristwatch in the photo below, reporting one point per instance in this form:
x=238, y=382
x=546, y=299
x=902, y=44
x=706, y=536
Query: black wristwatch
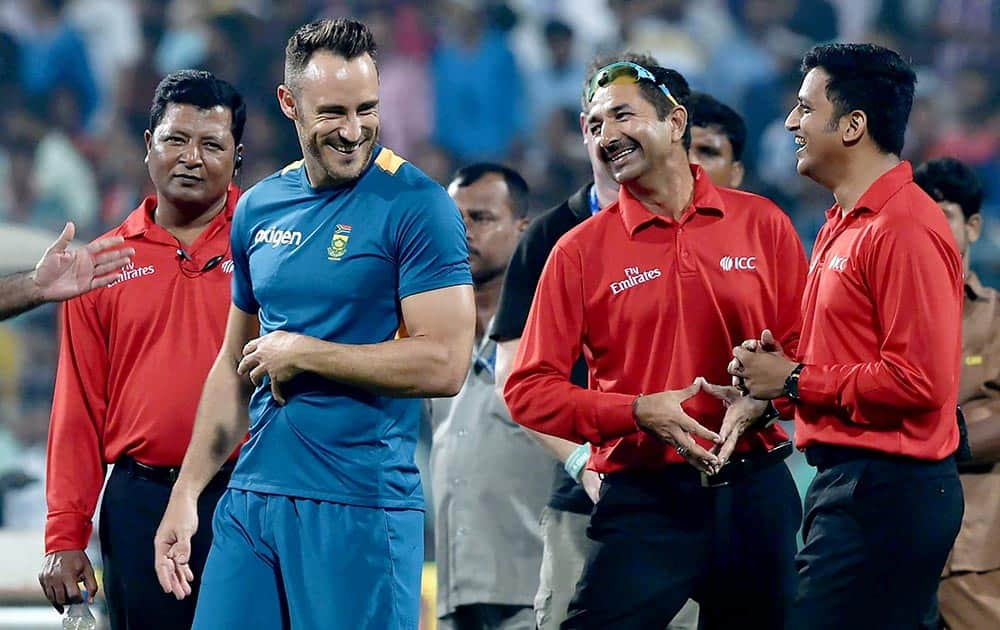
x=767, y=418
x=792, y=383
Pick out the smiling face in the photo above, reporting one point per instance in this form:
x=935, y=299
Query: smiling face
x=818, y=135
x=630, y=138
x=334, y=103
x=191, y=154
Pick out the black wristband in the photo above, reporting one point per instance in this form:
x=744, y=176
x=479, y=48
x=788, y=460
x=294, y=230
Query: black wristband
x=767, y=418
x=791, y=388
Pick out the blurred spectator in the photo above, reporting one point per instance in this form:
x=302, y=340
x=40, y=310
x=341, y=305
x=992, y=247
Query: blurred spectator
x=682, y=34
x=63, y=178
x=405, y=107
x=111, y=31
x=53, y=56
x=555, y=84
x=478, y=94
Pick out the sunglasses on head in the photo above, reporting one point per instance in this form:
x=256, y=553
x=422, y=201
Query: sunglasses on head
x=625, y=72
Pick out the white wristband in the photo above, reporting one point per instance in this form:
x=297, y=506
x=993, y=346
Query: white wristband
x=577, y=461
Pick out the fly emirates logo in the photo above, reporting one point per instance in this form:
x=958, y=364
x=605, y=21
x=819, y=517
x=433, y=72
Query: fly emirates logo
x=634, y=277
x=131, y=272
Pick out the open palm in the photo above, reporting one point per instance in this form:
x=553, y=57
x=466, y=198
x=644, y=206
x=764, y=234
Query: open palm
x=63, y=273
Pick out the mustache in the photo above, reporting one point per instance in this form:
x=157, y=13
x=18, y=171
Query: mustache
x=614, y=147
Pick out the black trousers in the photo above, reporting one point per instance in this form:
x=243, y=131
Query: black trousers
x=130, y=513
x=662, y=538
x=877, y=532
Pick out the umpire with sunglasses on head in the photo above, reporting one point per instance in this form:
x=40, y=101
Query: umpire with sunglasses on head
x=655, y=290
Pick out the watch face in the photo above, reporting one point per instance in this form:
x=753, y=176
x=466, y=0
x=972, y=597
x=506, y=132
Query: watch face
x=792, y=383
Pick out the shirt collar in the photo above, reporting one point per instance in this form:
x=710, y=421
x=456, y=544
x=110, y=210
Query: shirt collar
x=706, y=201
x=974, y=288
x=881, y=190
x=140, y=221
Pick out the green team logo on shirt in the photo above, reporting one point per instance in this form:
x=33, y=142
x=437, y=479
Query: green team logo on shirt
x=338, y=244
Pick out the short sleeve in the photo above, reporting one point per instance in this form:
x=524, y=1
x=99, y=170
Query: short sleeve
x=431, y=244
x=243, y=296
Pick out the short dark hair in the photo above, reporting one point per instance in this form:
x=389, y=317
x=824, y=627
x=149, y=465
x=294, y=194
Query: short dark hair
x=203, y=90
x=344, y=37
x=948, y=179
x=517, y=188
x=872, y=79
x=704, y=110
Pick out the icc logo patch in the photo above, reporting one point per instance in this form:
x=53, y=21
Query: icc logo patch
x=338, y=244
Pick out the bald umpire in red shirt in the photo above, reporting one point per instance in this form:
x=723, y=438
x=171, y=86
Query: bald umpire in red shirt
x=653, y=290
x=876, y=374
x=133, y=358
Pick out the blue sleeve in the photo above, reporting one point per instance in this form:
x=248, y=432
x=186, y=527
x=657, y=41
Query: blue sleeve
x=433, y=252
x=243, y=296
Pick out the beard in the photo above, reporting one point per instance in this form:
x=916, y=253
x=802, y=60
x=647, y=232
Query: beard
x=336, y=174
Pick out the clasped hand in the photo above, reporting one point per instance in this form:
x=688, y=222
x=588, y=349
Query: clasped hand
x=760, y=367
x=273, y=355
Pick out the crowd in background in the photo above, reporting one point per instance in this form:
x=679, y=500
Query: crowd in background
x=462, y=80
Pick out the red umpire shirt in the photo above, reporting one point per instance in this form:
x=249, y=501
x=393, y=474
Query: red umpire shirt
x=653, y=303
x=882, y=326
x=132, y=361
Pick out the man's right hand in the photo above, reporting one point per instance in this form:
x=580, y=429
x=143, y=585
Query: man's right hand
x=172, y=545
x=591, y=482
x=61, y=575
x=661, y=414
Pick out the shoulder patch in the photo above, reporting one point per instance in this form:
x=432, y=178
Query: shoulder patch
x=389, y=161
x=291, y=167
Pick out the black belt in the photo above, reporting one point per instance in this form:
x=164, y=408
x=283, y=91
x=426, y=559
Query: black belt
x=741, y=466
x=167, y=475
x=824, y=456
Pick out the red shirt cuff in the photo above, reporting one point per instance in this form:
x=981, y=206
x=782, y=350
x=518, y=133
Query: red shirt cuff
x=815, y=387
x=615, y=417
x=67, y=532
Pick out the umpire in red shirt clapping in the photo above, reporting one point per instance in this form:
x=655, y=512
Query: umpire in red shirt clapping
x=875, y=378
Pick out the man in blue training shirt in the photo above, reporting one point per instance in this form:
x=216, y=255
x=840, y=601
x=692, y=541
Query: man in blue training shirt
x=352, y=300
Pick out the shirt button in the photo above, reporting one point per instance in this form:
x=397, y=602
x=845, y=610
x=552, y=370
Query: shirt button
x=462, y=531
x=462, y=433
x=685, y=254
x=456, y=481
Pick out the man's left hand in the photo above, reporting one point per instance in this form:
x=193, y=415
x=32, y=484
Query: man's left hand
x=274, y=355
x=763, y=374
x=741, y=412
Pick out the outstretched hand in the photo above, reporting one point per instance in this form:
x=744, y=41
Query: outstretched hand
x=62, y=273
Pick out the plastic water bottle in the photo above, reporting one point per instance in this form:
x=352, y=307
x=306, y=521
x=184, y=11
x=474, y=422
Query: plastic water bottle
x=79, y=617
